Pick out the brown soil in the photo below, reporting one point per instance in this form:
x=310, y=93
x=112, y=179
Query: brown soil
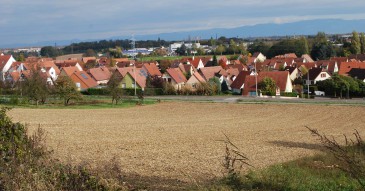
x=180, y=141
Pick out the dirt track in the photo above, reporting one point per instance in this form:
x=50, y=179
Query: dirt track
x=180, y=140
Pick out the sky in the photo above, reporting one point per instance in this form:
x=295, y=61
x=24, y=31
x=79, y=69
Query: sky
x=25, y=21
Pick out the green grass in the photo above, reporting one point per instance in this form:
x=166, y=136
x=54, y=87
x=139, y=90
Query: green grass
x=310, y=173
x=88, y=102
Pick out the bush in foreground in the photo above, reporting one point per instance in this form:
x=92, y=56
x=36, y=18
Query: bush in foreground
x=25, y=164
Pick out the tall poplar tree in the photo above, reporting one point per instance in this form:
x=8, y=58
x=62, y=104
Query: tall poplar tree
x=355, y=43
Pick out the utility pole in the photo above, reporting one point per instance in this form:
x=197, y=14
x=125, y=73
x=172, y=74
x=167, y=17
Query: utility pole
x=308, y=82
x=256, y=79
x=134, y=64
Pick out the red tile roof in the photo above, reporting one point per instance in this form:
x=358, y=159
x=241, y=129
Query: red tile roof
x=176, y=75
x=240, y=79
x=3, y=60
x=152, y=69
x=84, y=79
x=210, y=72
x=99, y=74
x=280, y=77
x=345, y=67
x=69, y=70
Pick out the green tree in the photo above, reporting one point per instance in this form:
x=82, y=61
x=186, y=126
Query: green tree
x=20, y=58
x=220, y=49
x=259, y=46
x=233, y=48
x=215, y=61
x=182, y=50
x=114, y=89
x=66, y=89
x=164, y=65
x=322, y=49
x=267, y=86
x=355, y=43
x=362, y=43
x=35, y=87
x=89, y=53
x=215, y=85
x=50, y=51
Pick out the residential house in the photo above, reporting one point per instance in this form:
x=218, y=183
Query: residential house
x=307, y=58
x=210, y=72
x=134, y=78
x=68, y=71
x=293, y=72
x=175, y=77
x=195, y=79
x=238, y=84
x=152, y=69
x=281, y=78
x=68, y=63
x=316, y=74
x=259, y=57
x=5, y=63
x=328, y=65
x=357, y=73
x=82, y=80
x=101, y=75
x=345, y=67
x=197, y=63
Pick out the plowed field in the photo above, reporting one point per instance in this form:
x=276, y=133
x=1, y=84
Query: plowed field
x=178, y=140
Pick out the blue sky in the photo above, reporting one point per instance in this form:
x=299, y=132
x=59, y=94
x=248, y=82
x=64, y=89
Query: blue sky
x=25, y=21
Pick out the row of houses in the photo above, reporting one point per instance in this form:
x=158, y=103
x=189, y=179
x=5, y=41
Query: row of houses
x=239, y=77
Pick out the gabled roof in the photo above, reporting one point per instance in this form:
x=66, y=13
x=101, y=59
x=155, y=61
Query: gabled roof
x=99, y=74
x=339, y=59
x=345, y=67
x=280, y=78
x=48, y=64
x=359, y=57
x=87, y=59
x=3, y=60
x=176, y=75
x=15, y=75
x=152, y=69
x=197, y=76
x=290, y=69
x=240, y=79
x=69, y=70
x=195, y=62
x=85, y=78
x=124, y=71
x=307, y=57
x=358, y=73
x=232, y=71
x=210, y=72
x=139, y=76
x=313, y=73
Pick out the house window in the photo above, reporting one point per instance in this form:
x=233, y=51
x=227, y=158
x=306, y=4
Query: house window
x=194, y=85
x=124, y=85
x=323, y=75
x=133, y=86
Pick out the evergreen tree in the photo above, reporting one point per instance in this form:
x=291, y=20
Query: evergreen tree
x=215, y=61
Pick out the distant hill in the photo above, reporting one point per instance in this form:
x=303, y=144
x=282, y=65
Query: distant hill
x=308, y=27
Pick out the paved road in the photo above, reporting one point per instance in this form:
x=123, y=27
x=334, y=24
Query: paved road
x=233, y=99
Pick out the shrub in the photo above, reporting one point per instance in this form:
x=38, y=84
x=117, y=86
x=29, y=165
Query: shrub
x=169, y=89
x=25, y=164
x=187, y=90
x=350, y=157
x=289, y=94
